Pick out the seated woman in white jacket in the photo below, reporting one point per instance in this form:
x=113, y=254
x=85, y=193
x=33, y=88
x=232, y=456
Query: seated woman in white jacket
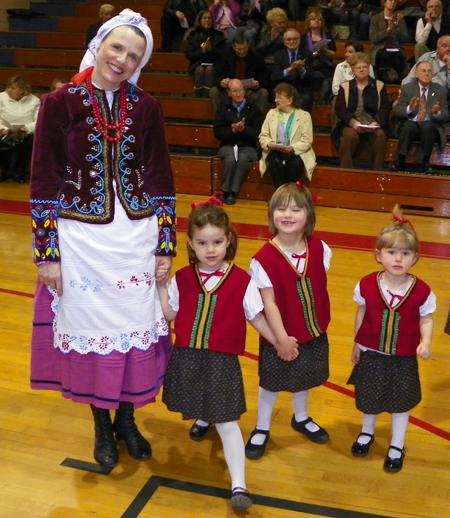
x=18, y=114
x=286, y=138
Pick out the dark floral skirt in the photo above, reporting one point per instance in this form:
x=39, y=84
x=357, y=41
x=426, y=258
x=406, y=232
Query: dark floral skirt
x=386, y=383
x=204, y=385
x=310, y=369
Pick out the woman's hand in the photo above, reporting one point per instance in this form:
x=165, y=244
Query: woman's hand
x=5, y=132
x=163, y=268
x=50, y=275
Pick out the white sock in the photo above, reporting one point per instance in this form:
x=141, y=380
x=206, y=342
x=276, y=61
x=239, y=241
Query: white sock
x=399, y=426
x=199, y=422
x=266, y=404
x=300, y=402
x=368, y=426
x=233, y=449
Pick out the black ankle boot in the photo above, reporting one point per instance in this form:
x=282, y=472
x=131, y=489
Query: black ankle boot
x=105, y=448
x=126, y=430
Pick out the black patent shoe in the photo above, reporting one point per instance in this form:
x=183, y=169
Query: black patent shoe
x=198, y=433
x=240, y=499
x=319, y=437
x=256, y=451
x=361, y=450
x=394, y=465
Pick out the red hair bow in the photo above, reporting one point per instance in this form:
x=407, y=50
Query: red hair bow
x=402, y=221
x=315, y=198
x=212, y=201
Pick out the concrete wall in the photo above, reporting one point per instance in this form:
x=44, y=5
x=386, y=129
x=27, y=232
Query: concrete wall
x=10, y=4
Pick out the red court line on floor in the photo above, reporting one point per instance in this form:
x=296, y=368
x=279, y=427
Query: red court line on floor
x=261, y=232
x=350, y=393
x=18, y=293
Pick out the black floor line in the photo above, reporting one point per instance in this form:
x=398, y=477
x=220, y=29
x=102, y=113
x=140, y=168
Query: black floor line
x=145, y=494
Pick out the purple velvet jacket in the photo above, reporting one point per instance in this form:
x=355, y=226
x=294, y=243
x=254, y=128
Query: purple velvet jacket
x=74, y=166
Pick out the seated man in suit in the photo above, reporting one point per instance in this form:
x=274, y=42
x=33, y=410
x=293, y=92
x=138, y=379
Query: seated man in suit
x=294, y=66
x=237, y=125
x=241, y=62
x=422, y=110
x=106, y=13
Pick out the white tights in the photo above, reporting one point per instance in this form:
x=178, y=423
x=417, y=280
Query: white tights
x=233, y=449
x=266, y=404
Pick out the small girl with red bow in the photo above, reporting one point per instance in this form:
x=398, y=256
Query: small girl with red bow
x=393, y=326
x=290, y=271
x=210, y=301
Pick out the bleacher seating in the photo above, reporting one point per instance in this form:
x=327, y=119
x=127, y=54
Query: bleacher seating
x=40, y=55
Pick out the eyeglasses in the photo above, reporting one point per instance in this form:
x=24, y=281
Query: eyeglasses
x=240, y=91
x=290, y=40
x=365, y=67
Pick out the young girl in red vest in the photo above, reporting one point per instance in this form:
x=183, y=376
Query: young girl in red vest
x=210, y=301
x=394, y=325
x=290, y=271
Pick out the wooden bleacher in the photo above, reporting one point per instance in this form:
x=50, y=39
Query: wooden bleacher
x=189, y=124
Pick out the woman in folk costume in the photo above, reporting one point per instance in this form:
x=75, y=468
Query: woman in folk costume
x=103, y=209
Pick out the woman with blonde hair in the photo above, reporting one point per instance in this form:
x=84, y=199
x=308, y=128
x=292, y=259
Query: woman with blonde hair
x=362, y=107
x=323, y=49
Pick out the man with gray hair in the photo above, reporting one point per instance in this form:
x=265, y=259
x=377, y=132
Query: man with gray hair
x=440, y=64
x=106, y=12
x=293, y=65
x=430, y=28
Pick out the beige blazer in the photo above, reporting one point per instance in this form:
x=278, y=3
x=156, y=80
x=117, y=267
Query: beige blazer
x=301, y=139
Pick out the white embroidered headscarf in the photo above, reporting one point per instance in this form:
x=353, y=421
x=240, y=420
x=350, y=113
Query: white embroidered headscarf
x=126, y=17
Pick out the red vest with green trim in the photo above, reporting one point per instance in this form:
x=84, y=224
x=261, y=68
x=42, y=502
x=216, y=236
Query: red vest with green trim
x=302, y=298
x=213, y=320
x=389, y=330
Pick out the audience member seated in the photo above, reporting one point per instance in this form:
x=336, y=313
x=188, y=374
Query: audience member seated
x=225, y=14
x=421, y=111
x=237, y=124
x=58, y=83
x=367, y=9
x=430, y=28
x=271, y=36
x=252, y=18
x=323, y=49
x=243, y=63
x=18, y=113
x=286, y=138
x=440, y=64
x=293, y=65
x=205, y=46
x=343, y=71
x=106, y=13
x=295, y=9
x=178, y=16
x=362, y=108
x=340, y=12
x=387, y=33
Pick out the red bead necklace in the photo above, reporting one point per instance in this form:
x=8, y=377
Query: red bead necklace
x=99, y=119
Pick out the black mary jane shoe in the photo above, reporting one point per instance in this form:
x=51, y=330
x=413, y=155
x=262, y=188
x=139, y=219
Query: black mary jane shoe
x=320, y=436
x=359, y=449
x=240, y=499
x=256, y=451
x=394, y=465
x=198, y=433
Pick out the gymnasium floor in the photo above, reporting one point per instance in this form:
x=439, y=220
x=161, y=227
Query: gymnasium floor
x=39, y=430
